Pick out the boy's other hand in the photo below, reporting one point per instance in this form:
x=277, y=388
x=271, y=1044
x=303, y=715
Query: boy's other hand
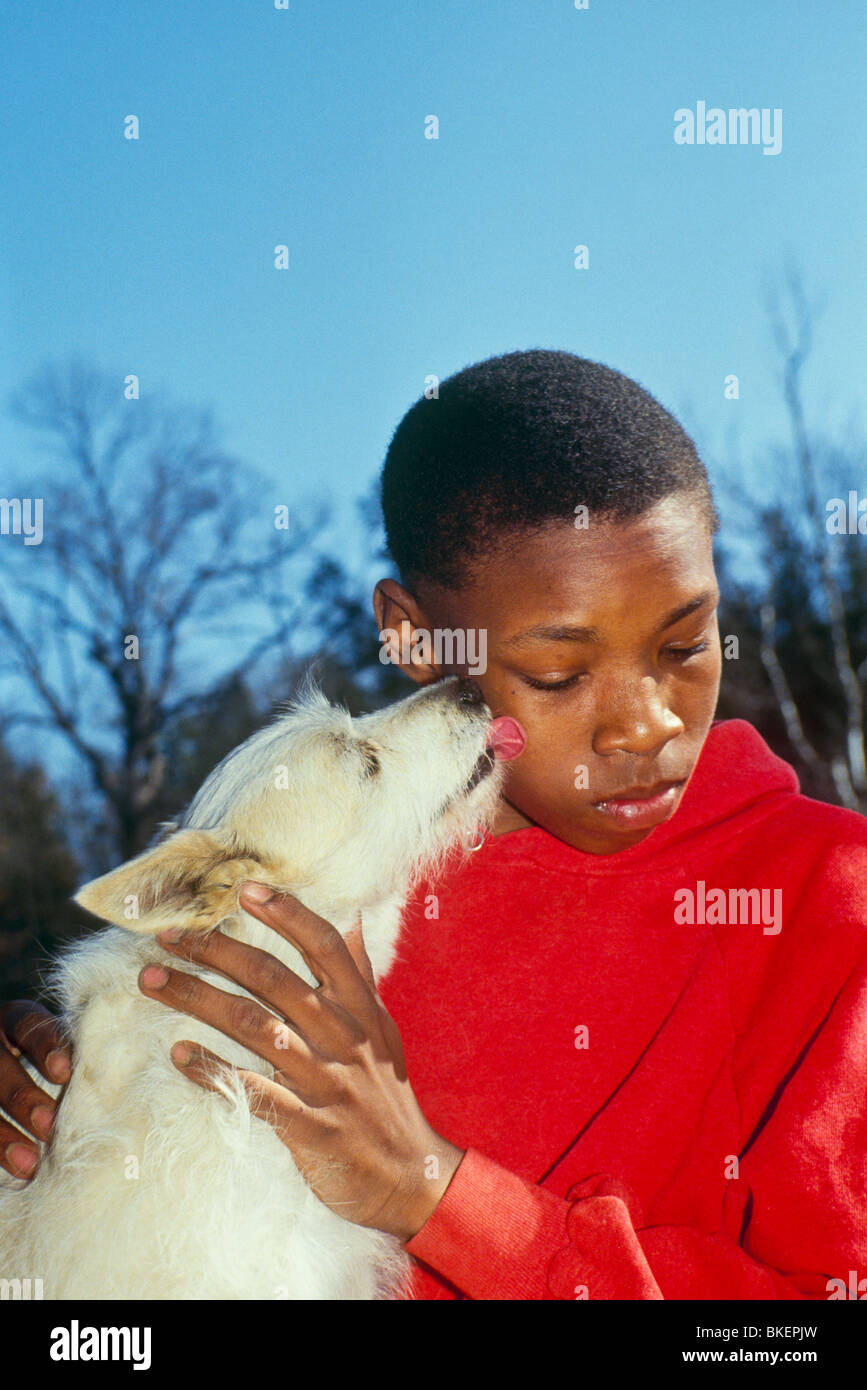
x=27, y=1029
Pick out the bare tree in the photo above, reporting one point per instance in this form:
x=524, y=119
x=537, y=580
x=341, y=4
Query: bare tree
x=810, y=632
x=162, y=569
x=793, y=335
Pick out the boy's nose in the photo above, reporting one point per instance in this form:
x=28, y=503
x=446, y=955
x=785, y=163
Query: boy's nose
x=636, y=722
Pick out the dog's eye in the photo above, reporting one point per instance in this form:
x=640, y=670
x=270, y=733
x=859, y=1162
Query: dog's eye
x=371, y=758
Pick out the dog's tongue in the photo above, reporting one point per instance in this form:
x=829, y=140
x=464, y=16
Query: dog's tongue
x=506, y=738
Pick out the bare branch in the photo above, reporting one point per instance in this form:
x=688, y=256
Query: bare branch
x=777, y=677
x=64, y=718
x=794, y=345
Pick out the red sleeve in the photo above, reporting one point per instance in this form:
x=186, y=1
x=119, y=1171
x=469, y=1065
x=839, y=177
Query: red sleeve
x=803, y=1183
x=495, y=1236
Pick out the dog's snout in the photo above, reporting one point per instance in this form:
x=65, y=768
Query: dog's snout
x=469, y=693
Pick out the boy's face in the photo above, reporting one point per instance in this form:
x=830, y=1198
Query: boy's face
x=622, y=618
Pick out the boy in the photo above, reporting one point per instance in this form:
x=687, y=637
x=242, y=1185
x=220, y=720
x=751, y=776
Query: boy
x=623, y=1051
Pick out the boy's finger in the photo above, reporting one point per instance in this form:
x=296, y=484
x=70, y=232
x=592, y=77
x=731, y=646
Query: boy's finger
x=29, y=1029
x=354, y=939
x=18, y=1154
x=26, y=1105
x=320, y=944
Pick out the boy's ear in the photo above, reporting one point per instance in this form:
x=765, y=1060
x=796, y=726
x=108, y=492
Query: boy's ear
x=399, y=616
x=190, y=880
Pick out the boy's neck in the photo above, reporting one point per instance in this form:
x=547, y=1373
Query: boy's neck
x=507, y=818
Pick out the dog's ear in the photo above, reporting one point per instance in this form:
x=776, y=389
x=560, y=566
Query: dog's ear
x=190, y=880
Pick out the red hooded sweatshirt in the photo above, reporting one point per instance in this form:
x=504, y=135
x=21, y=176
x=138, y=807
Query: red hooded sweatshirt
x=660, y=1081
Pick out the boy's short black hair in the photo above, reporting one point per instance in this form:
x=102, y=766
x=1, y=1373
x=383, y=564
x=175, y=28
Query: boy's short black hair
x=520, y=440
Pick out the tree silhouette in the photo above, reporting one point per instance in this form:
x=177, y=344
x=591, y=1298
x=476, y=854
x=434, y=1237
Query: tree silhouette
x=161, y=570
x=804, y=628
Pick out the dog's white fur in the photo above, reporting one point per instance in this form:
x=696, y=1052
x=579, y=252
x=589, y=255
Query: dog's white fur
x=156, y=1188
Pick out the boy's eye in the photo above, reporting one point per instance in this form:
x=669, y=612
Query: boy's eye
x=679, y=654
x=683, y=653
x=552, y=685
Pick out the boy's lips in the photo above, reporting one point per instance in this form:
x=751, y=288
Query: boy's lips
x=506, y=738
x=638, y=807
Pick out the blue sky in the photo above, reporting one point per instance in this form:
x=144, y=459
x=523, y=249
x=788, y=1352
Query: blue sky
x=411, y=256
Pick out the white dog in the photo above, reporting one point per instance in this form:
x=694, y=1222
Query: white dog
x=152, y=1187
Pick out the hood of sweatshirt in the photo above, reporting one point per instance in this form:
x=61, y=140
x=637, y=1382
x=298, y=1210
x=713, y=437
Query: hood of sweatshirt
x=736, y=781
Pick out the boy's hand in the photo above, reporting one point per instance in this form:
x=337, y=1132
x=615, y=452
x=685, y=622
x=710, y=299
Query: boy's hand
x=29, y=1029
x=340, y=1100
